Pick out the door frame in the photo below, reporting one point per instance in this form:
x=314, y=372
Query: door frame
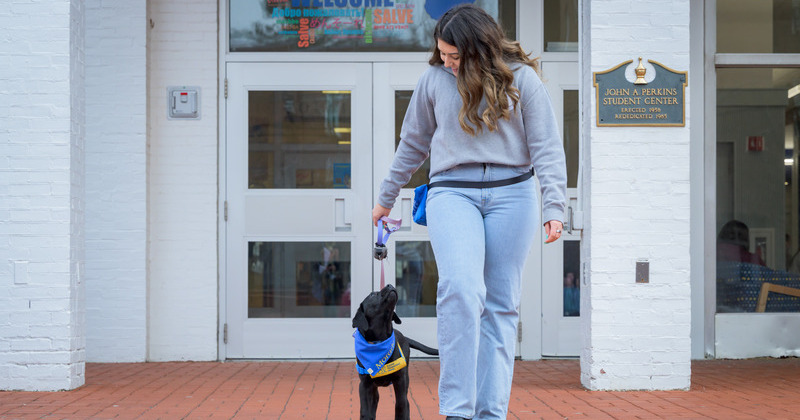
x=529, y=35
x=560, y=334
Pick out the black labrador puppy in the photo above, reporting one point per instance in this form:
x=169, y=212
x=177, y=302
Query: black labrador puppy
x=389, y=357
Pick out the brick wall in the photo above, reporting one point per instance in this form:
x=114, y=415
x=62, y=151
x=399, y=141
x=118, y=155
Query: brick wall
x=42, y=182
x=116, y=181
x=182, y=200
x=636, y=336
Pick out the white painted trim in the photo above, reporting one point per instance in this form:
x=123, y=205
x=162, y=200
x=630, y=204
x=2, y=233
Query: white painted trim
x=710, y=179
x=756, y=60
x=697, y=130
x=551, y=57
x=747, y=335
x=585, y=120
x=530, y=34
x=530, y=315
x=222, y=194
x=310, y=57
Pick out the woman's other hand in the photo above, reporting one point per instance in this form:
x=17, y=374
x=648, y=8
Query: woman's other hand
x=552, y=229
x=379, y=211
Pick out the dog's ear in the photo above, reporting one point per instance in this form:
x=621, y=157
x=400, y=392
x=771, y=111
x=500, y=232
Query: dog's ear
x=396, y=318
x=360, y=320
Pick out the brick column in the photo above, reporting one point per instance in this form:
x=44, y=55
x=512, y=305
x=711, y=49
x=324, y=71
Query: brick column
x=116, y=180
x=636, y=336
x=42, y=184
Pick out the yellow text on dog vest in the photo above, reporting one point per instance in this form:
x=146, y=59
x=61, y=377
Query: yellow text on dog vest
x=392, y=366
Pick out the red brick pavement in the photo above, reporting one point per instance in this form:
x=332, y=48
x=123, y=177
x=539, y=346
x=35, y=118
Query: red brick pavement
x=546, y=389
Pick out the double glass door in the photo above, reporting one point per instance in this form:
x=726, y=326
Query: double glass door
x=307, y=145
x=301, y=141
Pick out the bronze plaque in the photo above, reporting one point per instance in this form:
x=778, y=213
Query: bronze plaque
x=660, y=102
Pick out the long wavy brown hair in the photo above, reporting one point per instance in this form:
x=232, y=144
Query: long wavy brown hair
x=485, y=54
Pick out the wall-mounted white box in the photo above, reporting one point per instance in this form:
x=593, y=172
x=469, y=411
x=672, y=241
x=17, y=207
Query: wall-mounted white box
x=183, y=102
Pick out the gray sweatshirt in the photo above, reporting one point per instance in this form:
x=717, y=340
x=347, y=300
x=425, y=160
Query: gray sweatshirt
x=431, y=127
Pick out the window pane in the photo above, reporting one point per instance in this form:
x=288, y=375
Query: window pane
x=758, y=216
x=298, y=280
x=572, y=278
x=766, y=26
x=560, y=25
x=346, y=25
x=571, y=137
x=299, y=139
x=416, y=279
x=401, y=101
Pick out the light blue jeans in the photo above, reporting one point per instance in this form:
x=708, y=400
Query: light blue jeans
x=480, y=238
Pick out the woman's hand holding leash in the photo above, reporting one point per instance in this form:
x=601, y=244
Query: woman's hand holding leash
x=552, y=229
x=379, y=211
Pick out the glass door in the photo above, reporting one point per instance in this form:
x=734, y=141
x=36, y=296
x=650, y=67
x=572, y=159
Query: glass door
x=561, y=263
x=410, y=266
x=298, y=194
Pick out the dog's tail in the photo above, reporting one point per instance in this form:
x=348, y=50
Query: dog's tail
x=421, y=347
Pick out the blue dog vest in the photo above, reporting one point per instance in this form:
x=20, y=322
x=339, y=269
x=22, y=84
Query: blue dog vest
x=375, y=359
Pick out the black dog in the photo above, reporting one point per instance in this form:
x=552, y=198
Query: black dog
x=374, y=323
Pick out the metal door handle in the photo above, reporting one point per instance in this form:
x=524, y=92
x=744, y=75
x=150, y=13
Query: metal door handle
x=405, y=213
x=344, y=219
x=574, y=219
x=570, y=219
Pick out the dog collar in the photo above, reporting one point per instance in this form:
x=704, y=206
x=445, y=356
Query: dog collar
x=375, y=357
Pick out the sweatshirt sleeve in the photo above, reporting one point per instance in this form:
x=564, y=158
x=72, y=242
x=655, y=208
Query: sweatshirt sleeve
x=544, y=144
x=419, y=125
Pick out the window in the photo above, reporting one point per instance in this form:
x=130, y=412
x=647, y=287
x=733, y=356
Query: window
x=561, y=25
x=765, y=26
x=758, y=193
x=299, y=139
x=346, y=25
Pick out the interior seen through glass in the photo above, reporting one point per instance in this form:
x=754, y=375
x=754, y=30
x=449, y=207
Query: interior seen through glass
x=764, y=26
x=299, y=139
x=758, y=193
x=298, y=280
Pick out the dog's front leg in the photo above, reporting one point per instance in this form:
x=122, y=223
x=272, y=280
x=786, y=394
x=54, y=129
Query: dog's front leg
x=369, y=399
x=401, y=406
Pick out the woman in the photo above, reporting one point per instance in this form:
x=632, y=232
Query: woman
x=482, y=113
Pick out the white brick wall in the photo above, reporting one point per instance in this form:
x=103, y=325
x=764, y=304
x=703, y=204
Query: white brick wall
x=182, y=255
x=116, y=181
x=41, y=182
x=636, y=336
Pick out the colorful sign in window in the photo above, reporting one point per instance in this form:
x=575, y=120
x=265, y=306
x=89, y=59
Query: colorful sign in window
x=341, y=25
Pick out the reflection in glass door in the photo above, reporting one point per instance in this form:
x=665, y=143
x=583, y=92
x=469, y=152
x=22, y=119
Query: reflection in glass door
x=298, y=194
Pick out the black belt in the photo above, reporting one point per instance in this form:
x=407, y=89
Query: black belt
x=483, y=184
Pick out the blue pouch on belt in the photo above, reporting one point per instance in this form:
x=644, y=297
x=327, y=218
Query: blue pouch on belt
x=418, y=211
x=421, y=192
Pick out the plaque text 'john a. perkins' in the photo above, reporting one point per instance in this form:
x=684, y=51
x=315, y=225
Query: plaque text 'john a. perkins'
x=659, y=102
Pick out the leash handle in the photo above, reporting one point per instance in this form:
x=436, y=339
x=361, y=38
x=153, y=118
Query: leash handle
x=380, y=251
x=384, y=227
